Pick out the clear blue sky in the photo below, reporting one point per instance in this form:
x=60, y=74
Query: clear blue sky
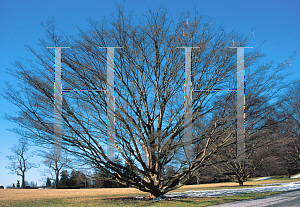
x=275, y=23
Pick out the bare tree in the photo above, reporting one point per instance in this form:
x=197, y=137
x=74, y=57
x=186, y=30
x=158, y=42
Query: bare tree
x=19, y=161
x=55, y=164
x=263, y=116
x=289, y=152
x=292, y=106
x=149, y=96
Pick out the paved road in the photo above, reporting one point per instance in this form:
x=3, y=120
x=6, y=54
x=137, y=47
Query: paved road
x=286, y=199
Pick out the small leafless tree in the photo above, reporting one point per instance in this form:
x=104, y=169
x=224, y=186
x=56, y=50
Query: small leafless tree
x=19, y=161
x=55, y=164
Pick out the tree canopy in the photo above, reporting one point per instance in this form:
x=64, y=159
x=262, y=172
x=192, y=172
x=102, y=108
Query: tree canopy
x=149, y=95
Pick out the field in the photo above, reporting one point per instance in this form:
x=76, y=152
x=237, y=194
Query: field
x=121, y=196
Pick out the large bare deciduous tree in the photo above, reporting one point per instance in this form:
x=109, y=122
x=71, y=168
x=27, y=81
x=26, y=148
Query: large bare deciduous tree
x=149, y=86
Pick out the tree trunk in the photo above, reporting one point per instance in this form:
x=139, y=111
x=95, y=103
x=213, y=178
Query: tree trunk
x=155, y=192
x=198, y=179
x=241, y=183
x=56, y=179
x=23, y=180
x=240, y=180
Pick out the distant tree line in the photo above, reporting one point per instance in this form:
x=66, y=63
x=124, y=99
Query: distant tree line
x=78, y=179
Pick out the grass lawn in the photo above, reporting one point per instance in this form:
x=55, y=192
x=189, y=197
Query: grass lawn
x=111, y=196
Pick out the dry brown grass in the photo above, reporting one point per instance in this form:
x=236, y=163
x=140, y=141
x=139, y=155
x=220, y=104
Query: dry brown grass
x=34, y=194
x=98, y=193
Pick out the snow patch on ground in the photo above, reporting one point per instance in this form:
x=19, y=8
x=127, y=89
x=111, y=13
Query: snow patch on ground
x=216, y=193
x=296, y=176
x=264, y=178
